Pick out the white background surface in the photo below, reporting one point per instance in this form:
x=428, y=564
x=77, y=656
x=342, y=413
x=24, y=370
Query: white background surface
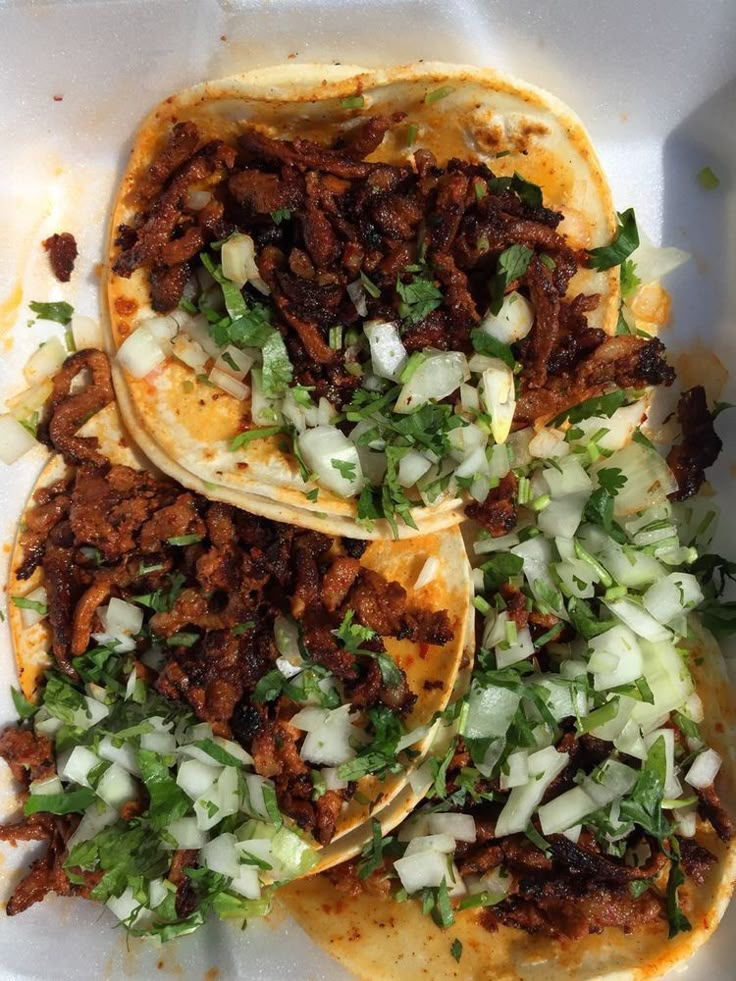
x=654, y=81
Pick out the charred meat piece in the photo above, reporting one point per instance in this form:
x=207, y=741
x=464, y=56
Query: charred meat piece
x=497, y=513
x=700, y=446
x=62, y=250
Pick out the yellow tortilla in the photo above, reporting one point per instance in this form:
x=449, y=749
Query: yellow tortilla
x=381, y=940
x=400, y=561
x=187, y=432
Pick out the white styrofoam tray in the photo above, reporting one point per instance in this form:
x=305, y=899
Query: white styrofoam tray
x=655, y=83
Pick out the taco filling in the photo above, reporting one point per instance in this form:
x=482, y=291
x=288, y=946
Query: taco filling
x=579, y=791
x=249, y=656
x=389, y=322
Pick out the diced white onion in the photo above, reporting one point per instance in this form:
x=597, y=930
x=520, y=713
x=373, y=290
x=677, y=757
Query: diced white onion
x=654, y=261
x=704, y=769
x=233, y=356
x=461, y=827
x=563, y=515
x=672, y=786
x=124, y=755
x=117, y=786
x=490, y=711
x=86, y=332
x=518, y=770
x=31, y=617
x=229, y=384
x=517, y=651
x=323, y=444
x=286, y=635
x=77, y=765
x=548, y=443
x=671, y=596
x=388, y=354
x=616, y=658
x=648, y=478
x=437, y=842
x=186, y=834
x=670, y=682
x=438, y=376
x=568, y=477
x=140, y=353
x=332, y=778
x=48, y=785
x=565, y=811
x=196, y=200
x=15, y=440
x=428, y=572
x=238, y=257
x=221, y=855
x=512, y=322
x=497, y=393
x=412, y=467
x=255, y=803
x=196, y=778
x=637, y=618
x=544, y=766
x=612, y=781
x=45, y=361
x=159, y=742
x=422, y=870
x=190, y=352
x=328, y=735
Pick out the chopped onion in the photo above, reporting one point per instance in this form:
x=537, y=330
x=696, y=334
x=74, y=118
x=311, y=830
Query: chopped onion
x=186, y=834
x=190, y=352
x=565, y=811
x=388, y=354
x=567, y=477
x=45, y=361
x=140, y=353
x=482, y=546
x=198, y=329
x=229, y=384
x=548, y=443
x=428, y=572
x=616, y=658
x=648, y=478
x=422, y=871
x=439, y=842
x=490, y=711
x=221, y=855
x=86, y=332
x=672, y=786
x=474, y=463
x=332, y=778
x=668, y=598
x=704, y=770
x=613, y=780
x=46, y=786
x=637, y=618
x=77, y=765
x=196, y=200
x=197, y=778
x=238, y=257
x=577, y=577
x=563, y=515
x=124, y=755
x=438, y=376
x=117, y=786
x=159, y=742
x=461, y=827
x=30, y=617
x=655, y=261
x=670, y=682
x=328, y=734
x=469, y=399
x=235, y=362
x=30, y=400
x=323, y=445
x=521, y=649
x=561, y=701
x=518, y=770
x=164, y=329
x=356, y=292
x=15, y=440
x=544, y=766
x=412, y=467
x=497, y=393
x=254, y=802
x=121, y=620
x=94, y=820
x=512, y=322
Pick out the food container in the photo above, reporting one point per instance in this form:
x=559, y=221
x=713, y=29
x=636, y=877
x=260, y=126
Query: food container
x=653, y=82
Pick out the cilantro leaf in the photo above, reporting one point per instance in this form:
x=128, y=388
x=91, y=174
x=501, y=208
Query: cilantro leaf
x=530, y=194
x=629, y=280
x=512, y=264
x=456, y=949
x=372, y=853
x=625, y=241
x=600, y=405
x=168, y=802
x=346, y=468
x=281, y=214
x=60, y=313
x=611, y=479
x=707, y=179
x=418, y=298
x=23, y=707
x=277, y=368
x=71, y=802
x=378, y=756
x=485, y=344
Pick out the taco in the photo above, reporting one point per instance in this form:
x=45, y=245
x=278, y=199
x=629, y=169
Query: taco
x=581, y=819
x=289, y=674
x=321, y=279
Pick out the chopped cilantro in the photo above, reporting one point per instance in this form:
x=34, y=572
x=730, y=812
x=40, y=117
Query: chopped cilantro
x=611, y=479
x=629, y=280
x=418, y=298
x=625, y=241
x=369, y=286
x=60, y=313
x=485, y=344
x=23, y=603
x=411, y=134
x=185, y=539
x=353, y=102
x=530, y=194
x=456, y=949
x=242, y=439
x=512, y=264
x=23, y=707
x=707, y=179
x=281, y=214
x=345, y=468
x=436, y=94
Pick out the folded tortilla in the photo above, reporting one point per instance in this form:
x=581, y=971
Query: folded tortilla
x=378, y=939
x=184, y=425
x=398, y=561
